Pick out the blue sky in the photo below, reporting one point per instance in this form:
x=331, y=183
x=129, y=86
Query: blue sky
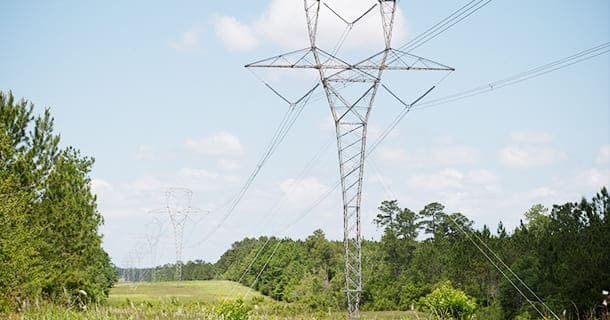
x=157, y=93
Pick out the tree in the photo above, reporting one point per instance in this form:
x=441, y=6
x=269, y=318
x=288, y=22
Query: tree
x=51, y=247
x=322, y=255
x=391, y=287
x=431, y=216
x=576, y=252
x=561, y=256
x=20, y=263
x=399, y=236
x=72, y=246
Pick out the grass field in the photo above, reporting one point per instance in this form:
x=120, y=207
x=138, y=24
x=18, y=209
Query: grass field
x=209, y=292
x=213, y=299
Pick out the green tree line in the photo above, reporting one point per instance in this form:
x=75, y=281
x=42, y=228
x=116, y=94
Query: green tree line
x=425, y=258
x=50, y=248
x=192, y=270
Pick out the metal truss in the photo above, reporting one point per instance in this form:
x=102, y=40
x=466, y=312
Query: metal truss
x=154, y=231
x=179, y=209
x=350, y=110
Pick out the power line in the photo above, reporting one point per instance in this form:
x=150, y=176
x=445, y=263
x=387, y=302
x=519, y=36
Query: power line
x=258, y=275
x=275, y=208
x=592, y=52
x=281, y=132
x=559, y=64
x=432, y=32
x=494, y=263
x=350, y=114
x=523, y=76
x=179, y=209
x=446, y=23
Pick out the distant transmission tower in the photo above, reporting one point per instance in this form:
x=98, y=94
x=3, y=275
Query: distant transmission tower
x=179, y=209
x=152, y=238
x=350, y=111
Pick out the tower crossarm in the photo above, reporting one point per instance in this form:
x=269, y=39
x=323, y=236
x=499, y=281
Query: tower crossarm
x=394, y=59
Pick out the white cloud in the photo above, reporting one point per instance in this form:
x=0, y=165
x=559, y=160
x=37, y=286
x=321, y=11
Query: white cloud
x=445, y=155
x=206, y=180
x=532, y=137
x=99, y=186
x=134, y=198
x=530, y=156
x=593, y=178
x=472, y=192
x=283, y=23
x=530, y=149
x=126, y=200
x=392, y=154
x=604, y=154
x=455, y=179
x=454, y=155
x=219, y=144
x=481, y=177
x=234, y=35
x=145, y=153
x=541, y=193
x=189, y=40
x=228, y=164
x=302, y=191
x=147, y=184
x=197, y=174
x=448, y=178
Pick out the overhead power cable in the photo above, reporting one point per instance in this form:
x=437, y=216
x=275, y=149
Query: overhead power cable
x=417, y=105
x=281, y=132
x=258, y=275
x=520, y=77
x=275, y=208
x=469, y=235
x=431, y=33
x=454, y=18
x=595, y=51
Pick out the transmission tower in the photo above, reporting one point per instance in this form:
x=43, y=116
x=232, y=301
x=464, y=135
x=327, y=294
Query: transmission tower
x=154, y=230
x=350, y=111
x=179, y=209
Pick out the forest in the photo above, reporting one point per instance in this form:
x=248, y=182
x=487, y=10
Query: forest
x=555, y=261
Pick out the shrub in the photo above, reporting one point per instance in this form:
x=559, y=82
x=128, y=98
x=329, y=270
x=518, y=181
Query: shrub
x=445, y=302
x=233, y=310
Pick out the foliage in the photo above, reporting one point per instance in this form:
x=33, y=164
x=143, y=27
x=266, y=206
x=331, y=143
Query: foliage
x=561, y=254
x=191, y=310
x=445, y=302
x=306, y=276
x=558, y=253
x=49, y=242
x=192, y=270
x=233, y=310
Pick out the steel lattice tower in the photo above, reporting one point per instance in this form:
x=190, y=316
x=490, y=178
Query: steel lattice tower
x=350, y=112
x=179, y=209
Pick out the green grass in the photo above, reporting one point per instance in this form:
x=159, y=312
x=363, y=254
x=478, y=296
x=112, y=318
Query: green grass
x=192, y=300
x=208, y=292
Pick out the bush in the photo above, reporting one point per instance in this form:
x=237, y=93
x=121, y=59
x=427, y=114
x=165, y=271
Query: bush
x=445, y=302
x=233, y=310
